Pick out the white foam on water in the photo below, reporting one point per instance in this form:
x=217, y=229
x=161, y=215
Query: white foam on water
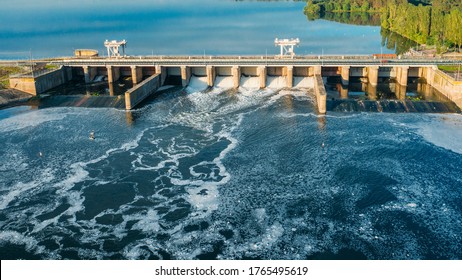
x=30, y=119
x=209, y=202
x=148, y=223
x=203, y=102
x=20, y=188
x=443, y=131
x=197, y=84
x=261, y=243
x=16, y=238
x=303, y=82
x=250, y=83
x=276, y=82
x=260, y=215
x=224, y=82
x=283, y=93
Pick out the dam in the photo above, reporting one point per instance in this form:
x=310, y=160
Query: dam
x=148, y=74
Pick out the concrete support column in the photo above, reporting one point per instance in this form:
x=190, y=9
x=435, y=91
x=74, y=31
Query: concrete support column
x=373, y=75
x=163, y=73
x=111, y=89
x=262, y=75
x=113, y=74
x=402, y=75
x=89, y=73
x=422, y=72
x=372, y=91
x=236, y=72
x=317, y=70
x=185, y=75
x=66, y=74
x=137, y=74
x=345, y=74
x=290, y=76
x=400, y=91
x=343, y=92
x=321, y=95
x=210, y=75
x=430, y=74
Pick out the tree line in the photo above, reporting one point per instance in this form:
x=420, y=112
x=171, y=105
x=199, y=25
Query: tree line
x=431, y=22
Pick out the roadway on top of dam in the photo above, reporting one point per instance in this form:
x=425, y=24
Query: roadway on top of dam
x=271, y=61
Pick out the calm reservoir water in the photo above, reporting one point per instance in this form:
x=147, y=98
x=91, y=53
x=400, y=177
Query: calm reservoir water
x=189, y=27
x=220, y=173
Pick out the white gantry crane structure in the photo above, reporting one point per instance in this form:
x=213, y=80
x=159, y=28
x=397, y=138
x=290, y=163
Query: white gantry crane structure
x=287, y=46
x=113, y=48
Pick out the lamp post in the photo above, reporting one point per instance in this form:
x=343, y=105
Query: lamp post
x=458, y=72
x=30, y=61
x=381, y=55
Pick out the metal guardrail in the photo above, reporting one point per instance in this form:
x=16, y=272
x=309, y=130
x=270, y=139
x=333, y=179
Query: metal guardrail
x=456, y=76
x=331, y=60
x=34, y=74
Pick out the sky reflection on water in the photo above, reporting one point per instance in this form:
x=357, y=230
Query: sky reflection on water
x=53, y=28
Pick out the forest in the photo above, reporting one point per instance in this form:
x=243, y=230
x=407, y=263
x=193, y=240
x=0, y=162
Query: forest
x=431, y=22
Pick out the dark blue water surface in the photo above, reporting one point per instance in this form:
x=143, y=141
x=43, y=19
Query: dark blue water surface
x=51, y=28
x=229, y=175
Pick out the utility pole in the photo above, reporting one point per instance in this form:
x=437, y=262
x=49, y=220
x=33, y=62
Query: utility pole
x=381, y=55
x=30, y=62
x=458, y=72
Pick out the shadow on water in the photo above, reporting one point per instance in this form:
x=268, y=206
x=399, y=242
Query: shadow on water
x=387, y=96
x=78, y=94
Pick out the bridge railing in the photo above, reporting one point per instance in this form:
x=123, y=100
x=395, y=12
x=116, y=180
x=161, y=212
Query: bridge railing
x=33, y=74
x=261, y=60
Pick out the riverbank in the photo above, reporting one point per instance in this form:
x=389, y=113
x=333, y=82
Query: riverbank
x=12, y=97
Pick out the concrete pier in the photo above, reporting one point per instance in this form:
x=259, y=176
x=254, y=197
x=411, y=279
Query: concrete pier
x=113, y=74
x=236, y=73
x=317, y=70
x=210, y=70
x=141, y=91
x=402, y=75
x=345, y=75
x=89, y=74
x=137, y=74
x=373, y=75
x=320, y=92
x=290, y=76
x=262, y=74
x=343, y=92
x=163, y=73
x=185, y=75
x=371, y=91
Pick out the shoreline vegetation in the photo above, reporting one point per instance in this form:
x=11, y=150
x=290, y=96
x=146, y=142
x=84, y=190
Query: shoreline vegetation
x=435, y=23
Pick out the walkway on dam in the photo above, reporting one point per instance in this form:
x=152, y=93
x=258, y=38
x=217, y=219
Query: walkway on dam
x=325, y=60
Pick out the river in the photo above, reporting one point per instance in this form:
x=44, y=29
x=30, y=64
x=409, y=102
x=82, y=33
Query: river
x=187, y=27
x=227, y=174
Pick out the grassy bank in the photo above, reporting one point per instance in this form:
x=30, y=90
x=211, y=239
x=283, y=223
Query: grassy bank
x=5, y=72
x=450, y=68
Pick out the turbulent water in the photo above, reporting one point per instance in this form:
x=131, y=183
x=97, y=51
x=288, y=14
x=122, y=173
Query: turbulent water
x=223, y=174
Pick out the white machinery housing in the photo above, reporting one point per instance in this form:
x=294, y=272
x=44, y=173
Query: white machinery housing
x=113, y=47
x=287, y=46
